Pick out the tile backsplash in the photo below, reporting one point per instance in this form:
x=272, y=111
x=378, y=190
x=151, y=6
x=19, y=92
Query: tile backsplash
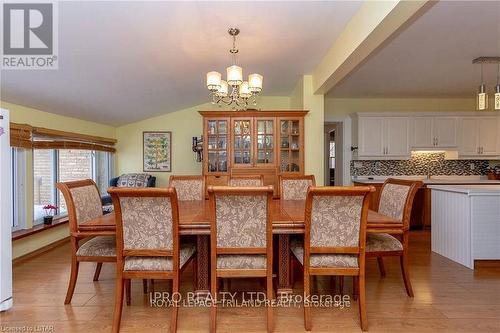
x=420, y=164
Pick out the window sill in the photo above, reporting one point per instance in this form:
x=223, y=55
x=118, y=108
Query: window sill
x=38, y=228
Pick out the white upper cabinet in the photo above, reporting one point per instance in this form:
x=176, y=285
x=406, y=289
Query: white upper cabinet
x=445, y=131
x=396, y=136
x=392, y=136
x=383, y=137
x=479, y=137
x=469, y=139
x=370, y=130
x=422, y=132
x=434, y=132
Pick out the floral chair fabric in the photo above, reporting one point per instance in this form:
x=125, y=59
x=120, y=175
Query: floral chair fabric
x=323, y=260
x=245, y=182
x=100, y=246
x=295, y=189
x=133, y=180
x=186, y=251
x=237, y=261
x=393, y=199
x=147, y=223
x=241, y=221
x=382, y=242
x=188, y=189
x=335, y=221
x=87, y=203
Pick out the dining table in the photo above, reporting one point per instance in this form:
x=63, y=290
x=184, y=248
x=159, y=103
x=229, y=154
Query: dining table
x=287, y=219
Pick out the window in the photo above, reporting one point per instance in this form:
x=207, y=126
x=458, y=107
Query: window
x=61, y=165
x=332, y=155
x=18, y=188
x=72, y=165
x=103, y=170
x=44, y=179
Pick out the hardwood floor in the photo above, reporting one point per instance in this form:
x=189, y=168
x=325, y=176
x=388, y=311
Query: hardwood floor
x=448, y=298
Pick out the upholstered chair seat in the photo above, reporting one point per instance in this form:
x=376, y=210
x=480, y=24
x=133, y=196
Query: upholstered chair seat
x=83, y=202
x=100, y=246
x=334, y=239
x=323, y=260
x=241, y=238
x=241, y=261
x=382, y=242
x=186, y=251
x=396, y=201
x=148, y=244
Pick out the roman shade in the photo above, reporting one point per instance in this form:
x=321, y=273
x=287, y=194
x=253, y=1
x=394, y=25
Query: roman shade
x=26, y=136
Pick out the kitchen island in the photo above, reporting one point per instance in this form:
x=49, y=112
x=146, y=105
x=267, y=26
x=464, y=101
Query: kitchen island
x=421, y=216
x=466, y=222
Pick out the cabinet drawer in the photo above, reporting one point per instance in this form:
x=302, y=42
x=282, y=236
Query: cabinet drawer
x=216, y=180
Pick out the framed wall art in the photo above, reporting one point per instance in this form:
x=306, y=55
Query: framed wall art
x=157, y=151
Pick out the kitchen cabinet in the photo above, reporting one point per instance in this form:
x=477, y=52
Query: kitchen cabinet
x=385, y=137
x=479, y=137
x=434, y=132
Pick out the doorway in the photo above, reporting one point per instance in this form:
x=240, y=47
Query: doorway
x=333, y=154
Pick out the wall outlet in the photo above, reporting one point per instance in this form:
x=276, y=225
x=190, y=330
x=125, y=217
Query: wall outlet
x=472, y=166
x=358, y=164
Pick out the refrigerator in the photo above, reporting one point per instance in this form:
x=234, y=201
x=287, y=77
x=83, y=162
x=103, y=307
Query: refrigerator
x=5, y=213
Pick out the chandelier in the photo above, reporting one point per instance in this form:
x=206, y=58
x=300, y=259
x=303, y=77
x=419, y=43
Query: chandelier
x=234, y=91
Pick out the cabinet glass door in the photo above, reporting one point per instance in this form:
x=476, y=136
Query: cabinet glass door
x=217, y=145
x=290, y=146
x=242, y=141
x=265, y=141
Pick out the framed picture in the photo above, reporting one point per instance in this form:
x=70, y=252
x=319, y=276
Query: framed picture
x=157, y=151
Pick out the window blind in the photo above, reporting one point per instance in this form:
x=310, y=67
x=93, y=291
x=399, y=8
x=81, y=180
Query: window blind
x=26, y=136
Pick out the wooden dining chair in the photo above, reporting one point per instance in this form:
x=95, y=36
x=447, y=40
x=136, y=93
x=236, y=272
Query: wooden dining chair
x=246, y=180
x=396, y=201
x=189, y=188
x=241, y=243
x=147, y=241
x=334, y=239
x=83, y=202
x=294, y=187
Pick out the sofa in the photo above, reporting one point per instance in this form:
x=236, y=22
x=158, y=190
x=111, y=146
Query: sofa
x=129, y=180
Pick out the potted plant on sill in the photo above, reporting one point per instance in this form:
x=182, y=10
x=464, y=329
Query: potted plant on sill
x=50, y=210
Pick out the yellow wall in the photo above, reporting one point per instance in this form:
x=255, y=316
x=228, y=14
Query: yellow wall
x=184, y=124
x=26, y=115
x=303, y=98
x=339, y=107
x=314, y=128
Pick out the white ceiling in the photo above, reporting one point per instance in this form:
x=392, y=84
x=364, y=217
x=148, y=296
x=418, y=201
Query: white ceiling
x=125, y=61
x=433, y=56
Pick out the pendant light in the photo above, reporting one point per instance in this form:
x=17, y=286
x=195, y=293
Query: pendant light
x=482, y=96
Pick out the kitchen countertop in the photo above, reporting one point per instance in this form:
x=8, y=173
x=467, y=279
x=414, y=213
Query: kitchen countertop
x=469, y=189
x=434, y=180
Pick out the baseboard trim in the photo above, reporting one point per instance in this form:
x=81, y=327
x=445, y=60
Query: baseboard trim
x=40, y=251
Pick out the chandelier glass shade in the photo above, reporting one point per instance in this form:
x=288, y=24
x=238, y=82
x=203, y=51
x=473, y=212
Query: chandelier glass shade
x=234, y=91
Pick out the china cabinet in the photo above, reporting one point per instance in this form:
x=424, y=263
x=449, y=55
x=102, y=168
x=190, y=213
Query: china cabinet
x=268, y=143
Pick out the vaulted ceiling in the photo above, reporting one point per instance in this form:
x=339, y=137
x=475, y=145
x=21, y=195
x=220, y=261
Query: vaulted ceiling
x=120, y=62
x=432, y=57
